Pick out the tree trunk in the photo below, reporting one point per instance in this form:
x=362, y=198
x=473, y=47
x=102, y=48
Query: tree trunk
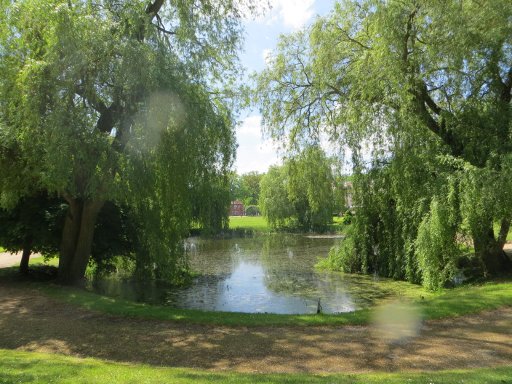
x=77, y=239
x=490, y=249
x=25, y=257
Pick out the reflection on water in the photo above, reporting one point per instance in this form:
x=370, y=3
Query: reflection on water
x=273, y=274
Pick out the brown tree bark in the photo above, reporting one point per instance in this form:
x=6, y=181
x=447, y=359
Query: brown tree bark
x=490, y=250
x=77, y=239
x=25, y=258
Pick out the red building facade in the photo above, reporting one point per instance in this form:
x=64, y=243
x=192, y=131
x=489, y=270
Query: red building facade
x=237, y=208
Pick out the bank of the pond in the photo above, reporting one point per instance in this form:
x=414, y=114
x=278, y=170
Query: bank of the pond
x=448, y=303
x=29, y=367
x=466, y=299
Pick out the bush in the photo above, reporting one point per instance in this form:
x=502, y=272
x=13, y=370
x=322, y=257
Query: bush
x=347, y=217
x=252, y=210
x=342, y=257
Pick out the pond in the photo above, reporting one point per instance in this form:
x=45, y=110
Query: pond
x=272, y=274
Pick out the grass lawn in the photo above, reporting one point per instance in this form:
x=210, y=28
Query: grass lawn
x=254, y=223
x=259, y=224
x=29, y=367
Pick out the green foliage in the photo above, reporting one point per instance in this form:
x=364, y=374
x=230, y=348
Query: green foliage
x=252, y=210
x=274, y=203
x=426, y=88
x=35, y=223
x=342, y=257
x=300, y=193
x=246, y=187
x=436, y=246
x=347, y=218
x=99, y=103
x=115, y=239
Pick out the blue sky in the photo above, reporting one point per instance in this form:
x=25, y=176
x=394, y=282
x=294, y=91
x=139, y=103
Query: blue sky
x=262, y=34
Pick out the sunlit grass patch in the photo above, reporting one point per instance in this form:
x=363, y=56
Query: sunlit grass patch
x=29, y=367
x=254, y=223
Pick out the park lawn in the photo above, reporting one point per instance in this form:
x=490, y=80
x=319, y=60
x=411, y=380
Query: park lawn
x=259, y=224
x=253, y=223
x=30, y=367
x=337, y=225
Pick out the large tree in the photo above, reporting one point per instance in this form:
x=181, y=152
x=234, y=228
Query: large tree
x=104, y=100
x=425, y=82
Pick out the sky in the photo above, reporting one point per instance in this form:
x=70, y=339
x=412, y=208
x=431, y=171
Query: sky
x=255, y=153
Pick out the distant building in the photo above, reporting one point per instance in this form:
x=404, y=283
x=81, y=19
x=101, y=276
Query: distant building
x=237, y=208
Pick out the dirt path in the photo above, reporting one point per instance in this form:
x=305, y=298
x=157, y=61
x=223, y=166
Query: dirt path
x=11, y=259
x=31, y=321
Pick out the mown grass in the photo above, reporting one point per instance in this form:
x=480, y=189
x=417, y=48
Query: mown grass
x=253, y=223
x=337, y=225
x=258, y=224
x=30, y=367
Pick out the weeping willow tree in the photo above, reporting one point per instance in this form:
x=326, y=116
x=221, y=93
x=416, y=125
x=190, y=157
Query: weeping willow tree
x=421, y=94
x=300, y=192
x=118, y=101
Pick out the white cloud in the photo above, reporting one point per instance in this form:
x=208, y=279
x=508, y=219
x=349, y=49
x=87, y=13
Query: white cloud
x=294, y=13
x=254, y=153
x=251, y=126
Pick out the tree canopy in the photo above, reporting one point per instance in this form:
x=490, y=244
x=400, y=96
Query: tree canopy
x=299, y=193
x=246, y=187
x=126, y=102
x=428, y=86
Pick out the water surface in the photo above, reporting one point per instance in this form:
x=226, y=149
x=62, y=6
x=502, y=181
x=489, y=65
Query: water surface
x=273, y=274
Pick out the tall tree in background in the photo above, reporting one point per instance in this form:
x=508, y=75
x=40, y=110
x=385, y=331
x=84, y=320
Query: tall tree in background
x=274, y=203
x=246, y=187
x=251, y=184
x=104, y=100
x=428, y=85
x=299, y=193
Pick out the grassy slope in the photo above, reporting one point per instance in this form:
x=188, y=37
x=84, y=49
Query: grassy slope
x=29, y=367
